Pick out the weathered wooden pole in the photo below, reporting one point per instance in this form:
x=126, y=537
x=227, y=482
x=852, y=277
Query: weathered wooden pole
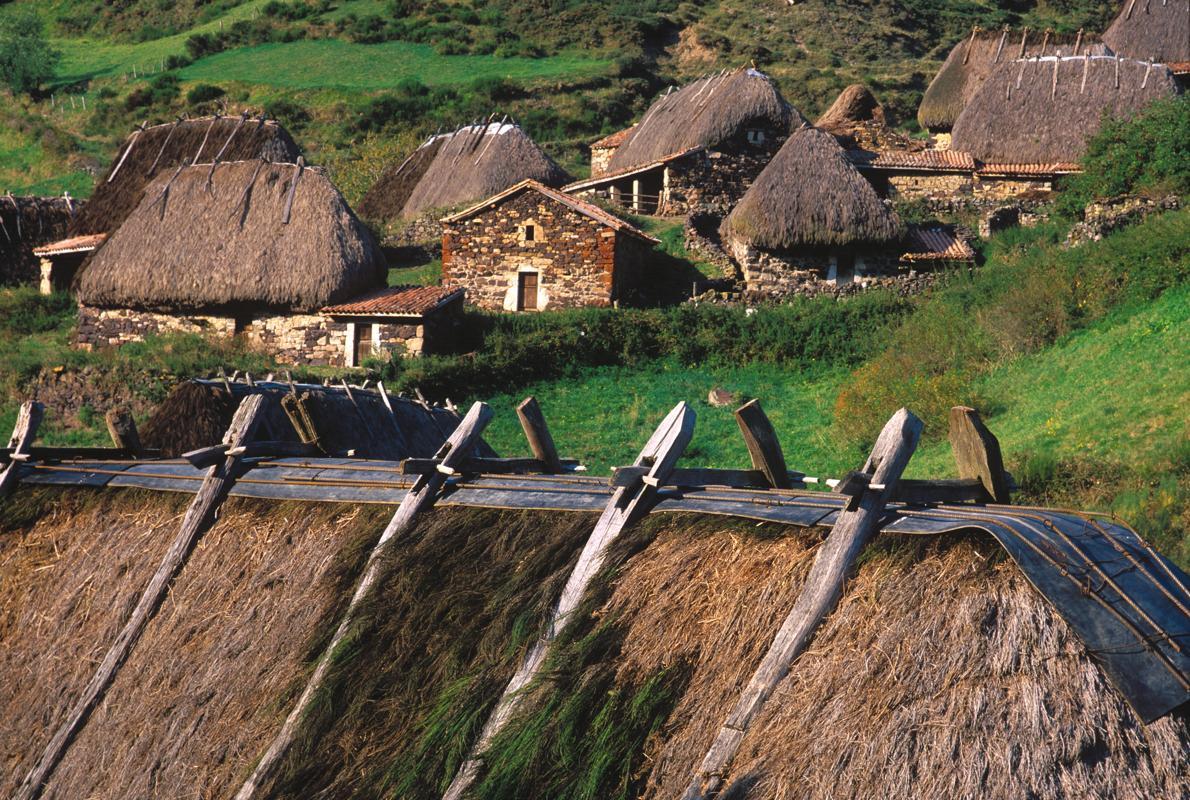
x=824, y=586
x=392, y=415
x=764, y=448
x=538, y=434
x=23, y=433
x=421, y=496
x=200, y=516
x=627, y=503
x=122, y=428
x=977, y=453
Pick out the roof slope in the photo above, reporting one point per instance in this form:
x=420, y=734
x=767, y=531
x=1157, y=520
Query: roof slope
x=161, y=149
x=810, y=195
x=396, y=301
x=855, y=104
x=705, y=113
x=1154, y=29
x=385, y=199
x=1043, y=110
x=191, y=246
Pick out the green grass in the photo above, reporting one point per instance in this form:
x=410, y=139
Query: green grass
x=333, y=63
x=672, y=234
x=429, y=274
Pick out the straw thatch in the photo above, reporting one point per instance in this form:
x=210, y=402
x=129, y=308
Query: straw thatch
x=210, y=237
x=386, y=198
x=810, y=195
x=973, y=60
x=25, y=223
x=855, y=105
x=161, y=149
x=704, y=114
x=1152, y=29
x=1043, y=111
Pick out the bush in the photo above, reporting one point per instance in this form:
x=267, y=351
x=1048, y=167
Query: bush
x=204, y=93
x=26, y=59
x=25, y=310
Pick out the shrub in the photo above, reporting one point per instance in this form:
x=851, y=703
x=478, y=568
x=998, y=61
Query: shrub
x=204, y=93
x=26, y=58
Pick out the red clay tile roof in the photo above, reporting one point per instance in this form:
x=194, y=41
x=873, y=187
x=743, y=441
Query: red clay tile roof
x=623, y=173
x=77, y=244
x=613, y=140
x=397, y=301
x=1027, y=169
x=936, y=244
x=581, y=206
x=932, y=160
x=1179, y=67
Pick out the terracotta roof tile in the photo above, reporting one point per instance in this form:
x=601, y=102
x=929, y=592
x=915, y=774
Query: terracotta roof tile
x=936, y=244
x=1179, y=67
x=614, y=139
x=77, y=244
x=920, y=159
x=397, y=301
x=1028, y=169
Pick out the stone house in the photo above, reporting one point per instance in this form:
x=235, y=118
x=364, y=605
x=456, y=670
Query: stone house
x=26, y=225
x=532, y=248
x=603, y=150
x=412, y=320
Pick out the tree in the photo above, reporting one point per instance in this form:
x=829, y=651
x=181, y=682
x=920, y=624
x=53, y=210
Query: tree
x=26, y=58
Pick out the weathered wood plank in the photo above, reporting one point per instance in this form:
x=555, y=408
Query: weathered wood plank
x=487, y=466
x=20, y=443
x=964, y=490
x=977, y=453
x=735, y=478
x=69, y=453
x=122, y=428
x=764, y=447
x=538, y=434
x=200, y=516
x=206, y=456
x=421, y=496
x=823, y=587
x=660, y=454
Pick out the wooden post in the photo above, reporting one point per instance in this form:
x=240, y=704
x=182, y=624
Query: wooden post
x=23, y=433
x=122, y=428
x=392, y=415
x=420, y=497
x=538, y=434
x=200, y=516
x=627, y=504
x=977, y=453
x=763, y=446
x=820, y=594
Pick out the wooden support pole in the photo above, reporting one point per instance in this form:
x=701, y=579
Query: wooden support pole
x=977, y=453
x=820, y=594
x=538, y=434
x=627, y=504
x=21, y=443
x=763, y=446
x=420, y=497
x=401, y=443
x=200, y=516
x=122, y=428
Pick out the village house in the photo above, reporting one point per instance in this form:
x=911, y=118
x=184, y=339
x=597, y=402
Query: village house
x=268, y=252
x=700, y=146
x=858, y=121
x=531, y=247
x=27, y=223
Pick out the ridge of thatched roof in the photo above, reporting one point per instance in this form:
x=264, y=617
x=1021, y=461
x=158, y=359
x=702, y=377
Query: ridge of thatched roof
x=856, y=104
x=1157, y=30
x=613, y=140
x=209, y=236
x=705, y=113
x=158, y=149
x=391, y=191
x=811, y=195
x=26, y=222
x=1043, y=110
x=973, y=60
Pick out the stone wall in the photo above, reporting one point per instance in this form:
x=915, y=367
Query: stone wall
x=300, y=338
x=998, y=189
x=715, y=180
x=111, y=327
x=921, y=185
x=600, y=159
x=813, y=271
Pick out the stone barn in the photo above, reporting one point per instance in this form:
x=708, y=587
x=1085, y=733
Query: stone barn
x=411, y=320
x=533, y=248
x=27, y=223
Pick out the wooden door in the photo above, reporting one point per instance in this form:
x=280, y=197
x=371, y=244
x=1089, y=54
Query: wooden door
x=363, y=342
x=527, y=291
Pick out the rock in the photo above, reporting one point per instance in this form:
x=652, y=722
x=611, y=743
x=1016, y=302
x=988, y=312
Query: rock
x=720, y=397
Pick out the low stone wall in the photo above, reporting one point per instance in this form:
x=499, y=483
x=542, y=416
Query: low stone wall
x=999, y=189
x=300, y=339
x=809, y=273
x=111, y=327
x=1107, y=216
x=917, y=185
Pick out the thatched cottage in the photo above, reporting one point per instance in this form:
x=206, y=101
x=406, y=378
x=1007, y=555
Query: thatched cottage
x=857, y=120
x=531, y=247
x=701, y=145
x=603, y=150
x=1157, y=30
x=248, y=249
x=27, y=223
x=464, y=166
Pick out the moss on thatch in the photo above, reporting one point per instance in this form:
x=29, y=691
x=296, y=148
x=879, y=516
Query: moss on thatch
x=855, y=105
x=161, y=149
x=810, y=195
x=1020, y=115
x=973, y=60
x=1151, y=29
x=25, y=223
x=386, y=198
x=704, y=114
x=208, y=237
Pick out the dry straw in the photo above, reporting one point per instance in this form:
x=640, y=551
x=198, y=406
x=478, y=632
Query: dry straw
x=1156, y=29
x=854, y=106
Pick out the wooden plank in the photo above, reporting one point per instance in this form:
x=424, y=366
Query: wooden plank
x=538, y=434
x=206, y=456
x=763, y=445
x=977, y=453
x=74, y=453
x=735, y=478
x=627, y=504
x=421, y=496
x=23, y=433
x=200, y=516
x=486, y=466
x=822, y=590
x=122, y=428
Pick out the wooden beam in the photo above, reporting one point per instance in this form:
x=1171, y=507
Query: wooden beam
x=487, y=466
x=821, y=592
x=23, y=433
x=538, y=434
x=977, y=453
x=200, y=516
x=763, y=445
x=735, y=478
x=627, y=504
x=967, y=490
x=122, y=428
x=75, y=453
x=206, y=456
x=421, y=496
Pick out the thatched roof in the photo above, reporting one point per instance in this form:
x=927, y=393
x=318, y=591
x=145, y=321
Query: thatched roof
x=1152, y=29
x=161, y=149
x=810, y=195
x=213, y=236
x=26, y=223
x=1021, y=115
x=974, y=59
x=856, y=104
x=385, y=199
x=705, y=113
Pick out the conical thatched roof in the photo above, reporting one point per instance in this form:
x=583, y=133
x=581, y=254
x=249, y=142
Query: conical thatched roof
x=190, y=245
x=1152, y=29
x=703, y=114
x=388, y=196
x=810, y=195
x=161, y=149
x=974, y=59
x=1021, y=115
x=25, y=223
x=855, y=105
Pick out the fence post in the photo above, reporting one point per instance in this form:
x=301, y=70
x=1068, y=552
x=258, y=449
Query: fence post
x=538, y=434
x=764, y=447
x=23, y=433
x=977, y=453
x=122, y=428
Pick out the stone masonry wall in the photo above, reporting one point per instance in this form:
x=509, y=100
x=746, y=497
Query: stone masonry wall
x=300, y=339
x=601, y=157
x=715, y=180
x=1008, y=188
x=808, y=272
x=917, y=185
x=111, y=327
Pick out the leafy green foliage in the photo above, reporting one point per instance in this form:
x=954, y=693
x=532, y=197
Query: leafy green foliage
x=26, y=59
x=204, y=93
x=25, y=311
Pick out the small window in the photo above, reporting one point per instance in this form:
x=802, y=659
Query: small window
x=530, y=233
x=755, y=136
